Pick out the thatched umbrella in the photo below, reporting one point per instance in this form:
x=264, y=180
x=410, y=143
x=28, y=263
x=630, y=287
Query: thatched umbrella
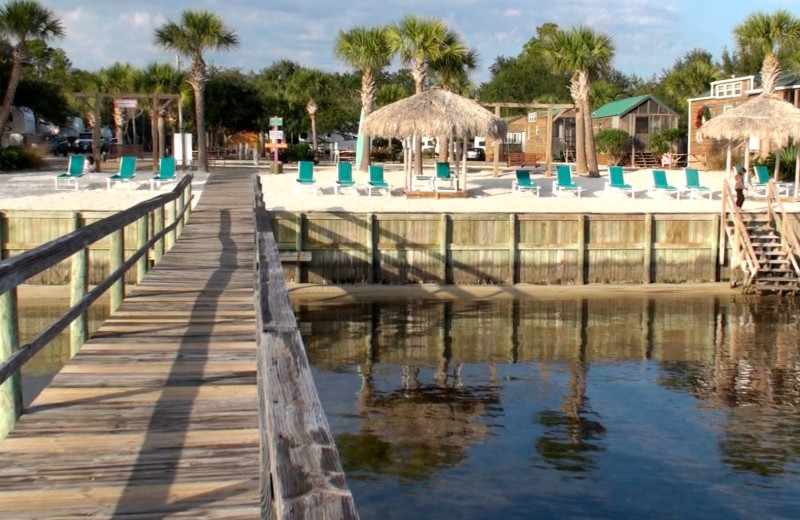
x=433, y=113
x=765, y=116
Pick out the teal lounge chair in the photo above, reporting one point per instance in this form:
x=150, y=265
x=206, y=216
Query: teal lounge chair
x=376, y=181
x=166, y=173
x=661, y=186
x=616, y=183
x=564, y=182
x=344, y=179
x=69, y=179
x=445, y=180
x=305, y=181
x=693, y=186
x=523, y=183
x=127, y=172
x=761, y=182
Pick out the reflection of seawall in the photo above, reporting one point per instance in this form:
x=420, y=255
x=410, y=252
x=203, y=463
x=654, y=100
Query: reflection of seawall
x=513, y=331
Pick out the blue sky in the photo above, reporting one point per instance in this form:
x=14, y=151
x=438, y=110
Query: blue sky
x=649, y=34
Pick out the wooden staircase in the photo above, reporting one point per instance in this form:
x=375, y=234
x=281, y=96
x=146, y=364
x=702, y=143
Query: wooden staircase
x=645, y=160
x=763, y=246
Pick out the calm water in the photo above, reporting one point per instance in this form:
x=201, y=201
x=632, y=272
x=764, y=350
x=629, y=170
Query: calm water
x=667, y=408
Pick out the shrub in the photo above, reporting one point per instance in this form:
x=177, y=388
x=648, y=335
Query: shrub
x=296, y=152
x=666, y=140
x=788, y=158
x=613, y=143
x=15, y=158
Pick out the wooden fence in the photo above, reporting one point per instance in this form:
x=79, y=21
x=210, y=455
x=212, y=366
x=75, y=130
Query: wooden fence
x=68, y=253
x=488, y=248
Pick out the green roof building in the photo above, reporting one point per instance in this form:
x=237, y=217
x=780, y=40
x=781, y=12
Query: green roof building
x=640, y=116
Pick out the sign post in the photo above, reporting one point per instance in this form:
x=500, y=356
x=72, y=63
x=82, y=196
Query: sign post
x=275, y=123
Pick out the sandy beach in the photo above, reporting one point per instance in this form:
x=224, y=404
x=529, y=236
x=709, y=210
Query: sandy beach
x=35, y=190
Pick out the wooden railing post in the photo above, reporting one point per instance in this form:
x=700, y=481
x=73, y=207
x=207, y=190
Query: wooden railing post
x=300, y=241
x=11, y=390
x=444, y=245
x=158, y=226
x=170, y=218
x=79, y=286
x=116, y=256
x=181, y=222
x=582, y=256
x=141, y=240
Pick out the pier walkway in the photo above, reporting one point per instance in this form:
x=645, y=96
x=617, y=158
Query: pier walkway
x=157, y=415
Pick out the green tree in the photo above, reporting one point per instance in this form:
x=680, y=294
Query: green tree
x=689, y=77
x=602, y=92
x=159, y=78
x=118, y=79
x=612, y=142
x=367, y=50
x=23, y=21
x=583, y=52
x=309, y=86
x=196, y=33
x=762, y=34
x=419, y=41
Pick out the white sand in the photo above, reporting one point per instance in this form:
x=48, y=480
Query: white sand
x=488, y=194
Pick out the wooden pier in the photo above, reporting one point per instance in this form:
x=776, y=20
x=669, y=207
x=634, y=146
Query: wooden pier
x=157, y=415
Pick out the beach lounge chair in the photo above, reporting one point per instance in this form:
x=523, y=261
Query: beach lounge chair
x=564, y=182
x=661, y=186
x=344, y=180
x=376, y=181
x=127, y=172
x=616, y=183
x=523, y=183
x=761, y=181
x=305, y=181
x=693, y=186
x=166, y=173
x=69, y=179
x=445, y=180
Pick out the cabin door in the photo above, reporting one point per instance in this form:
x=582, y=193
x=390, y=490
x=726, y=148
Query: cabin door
x=641, y=134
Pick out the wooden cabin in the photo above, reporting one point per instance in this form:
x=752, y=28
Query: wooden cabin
x=640, y=116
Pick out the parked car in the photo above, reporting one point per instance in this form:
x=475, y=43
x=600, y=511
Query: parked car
x=83, y=144
x=55, y=144
x=476, y=154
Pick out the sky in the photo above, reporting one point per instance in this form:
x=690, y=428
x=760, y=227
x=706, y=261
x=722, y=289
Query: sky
x=649, y=35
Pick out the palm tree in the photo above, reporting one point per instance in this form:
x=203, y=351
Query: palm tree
x=451, y=70
x=690, y=80
x=24, y=21
x=765, y=34
x=309, y=86
x=418, y=41
x=118, y=79
x=197, y=32
x=583, y=52
x=367, y=50
x=160, y=78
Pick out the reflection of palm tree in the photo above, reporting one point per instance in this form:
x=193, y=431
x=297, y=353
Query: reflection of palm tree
x=572, y=433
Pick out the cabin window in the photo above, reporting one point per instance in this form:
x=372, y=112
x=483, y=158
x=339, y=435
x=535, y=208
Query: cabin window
x=531, y=117
x=728, y=89
x=515, y=137
x=537, y=129
x=726, y=108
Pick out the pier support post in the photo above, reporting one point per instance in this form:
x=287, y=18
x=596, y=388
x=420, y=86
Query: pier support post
x=11, y=390
x=170, y=218
x=512, y=248
x=582, y=257
x=141, y=240
x=79, y=286
x=647, y=268
x=158, y=227
x=116, y=258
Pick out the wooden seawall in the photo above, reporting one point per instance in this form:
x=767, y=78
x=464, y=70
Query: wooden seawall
x=157, y=416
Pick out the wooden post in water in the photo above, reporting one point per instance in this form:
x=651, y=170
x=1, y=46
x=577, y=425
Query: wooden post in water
x=512, y=248
x=141, y=240
x=647, y=268
x=79, y=286
x=371, y=252
x=582, y=267
x=158, y=227
x=443, y=243
x=116, y=255
x=11, y=390
x=170, y=238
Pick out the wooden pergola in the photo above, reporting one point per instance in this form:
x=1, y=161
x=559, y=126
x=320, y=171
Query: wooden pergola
x=160, y=103
x=548, y=136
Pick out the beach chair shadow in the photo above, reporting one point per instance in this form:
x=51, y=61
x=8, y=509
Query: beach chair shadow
x=445, y=179
x=693, y=186
x=127, y=172
x=523, y=183
x=344, y=178
x=616, y=183
x=564, y=183
x=376, y=181
x=69, y=179
x=305, y=181
x=166, y=173
x=661, y=186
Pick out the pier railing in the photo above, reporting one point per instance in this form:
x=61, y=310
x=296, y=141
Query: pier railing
x=302, y=475
x=168, y=213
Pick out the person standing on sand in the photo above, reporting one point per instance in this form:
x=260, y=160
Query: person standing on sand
x=88, y=164
x=739, y=186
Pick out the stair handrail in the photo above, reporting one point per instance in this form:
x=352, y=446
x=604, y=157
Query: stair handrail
x=739, y=237
x=789, y=241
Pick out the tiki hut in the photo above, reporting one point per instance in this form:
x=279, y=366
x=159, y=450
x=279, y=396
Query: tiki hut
x=433, y=113
x=765, y=116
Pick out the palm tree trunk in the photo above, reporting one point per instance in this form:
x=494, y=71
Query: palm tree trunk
x=11, y=90
x=580, y=134
x=591, y=153
x=367, y=100
x=154, y=133
x=314, y=134
x=200, y=120
x=162, y=134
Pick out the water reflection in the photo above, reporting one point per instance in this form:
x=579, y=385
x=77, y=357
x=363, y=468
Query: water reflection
x=694, y=396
